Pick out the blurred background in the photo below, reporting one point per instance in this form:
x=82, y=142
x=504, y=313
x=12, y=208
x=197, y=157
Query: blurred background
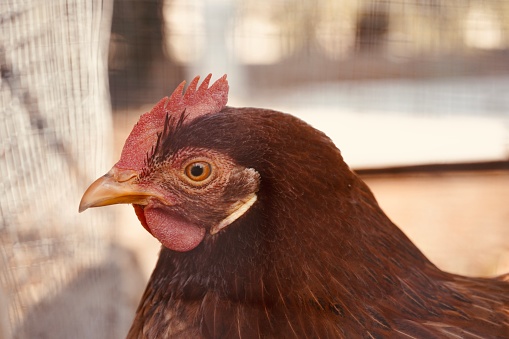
x=413, y=92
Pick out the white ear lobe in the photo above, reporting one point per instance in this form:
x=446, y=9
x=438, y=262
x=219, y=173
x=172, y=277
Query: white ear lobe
x=239, y=208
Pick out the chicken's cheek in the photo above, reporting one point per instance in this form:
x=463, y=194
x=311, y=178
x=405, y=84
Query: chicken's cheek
x=173, y=232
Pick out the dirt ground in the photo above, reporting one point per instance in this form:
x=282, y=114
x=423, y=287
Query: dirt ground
x=459, y=220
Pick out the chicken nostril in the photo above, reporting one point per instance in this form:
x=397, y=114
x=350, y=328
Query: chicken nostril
x=122, y=175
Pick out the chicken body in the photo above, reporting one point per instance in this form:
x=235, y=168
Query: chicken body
x=308, y=252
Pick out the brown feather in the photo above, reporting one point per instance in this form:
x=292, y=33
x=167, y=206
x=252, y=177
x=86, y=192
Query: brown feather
x=314, y=257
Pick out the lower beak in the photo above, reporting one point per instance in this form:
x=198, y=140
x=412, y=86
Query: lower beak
x=116, y=187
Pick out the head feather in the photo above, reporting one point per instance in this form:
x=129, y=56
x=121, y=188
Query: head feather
x=195, y=102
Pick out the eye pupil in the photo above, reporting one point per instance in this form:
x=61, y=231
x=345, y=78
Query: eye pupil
x=197, y=170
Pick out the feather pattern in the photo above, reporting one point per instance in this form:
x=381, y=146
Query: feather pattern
x=314, y=257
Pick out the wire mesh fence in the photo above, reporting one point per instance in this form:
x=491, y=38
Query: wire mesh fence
x=55, y=130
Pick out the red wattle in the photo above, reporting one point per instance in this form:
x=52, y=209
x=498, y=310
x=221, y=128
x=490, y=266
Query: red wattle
x=172, y=231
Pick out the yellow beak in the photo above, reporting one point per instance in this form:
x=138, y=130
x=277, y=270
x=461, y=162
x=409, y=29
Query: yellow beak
x=116, y=187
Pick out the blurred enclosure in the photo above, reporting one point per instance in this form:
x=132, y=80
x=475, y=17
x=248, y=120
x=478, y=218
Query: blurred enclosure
x=393, y=83
x=423, y=68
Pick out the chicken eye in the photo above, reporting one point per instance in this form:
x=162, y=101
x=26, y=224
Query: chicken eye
x=198, y=171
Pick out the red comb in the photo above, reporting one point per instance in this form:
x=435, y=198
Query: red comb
x=195, y=102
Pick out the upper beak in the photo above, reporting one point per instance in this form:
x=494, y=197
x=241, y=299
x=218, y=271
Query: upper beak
x=116, y=187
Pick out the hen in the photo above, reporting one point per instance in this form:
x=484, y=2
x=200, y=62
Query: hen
x=267, y=233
